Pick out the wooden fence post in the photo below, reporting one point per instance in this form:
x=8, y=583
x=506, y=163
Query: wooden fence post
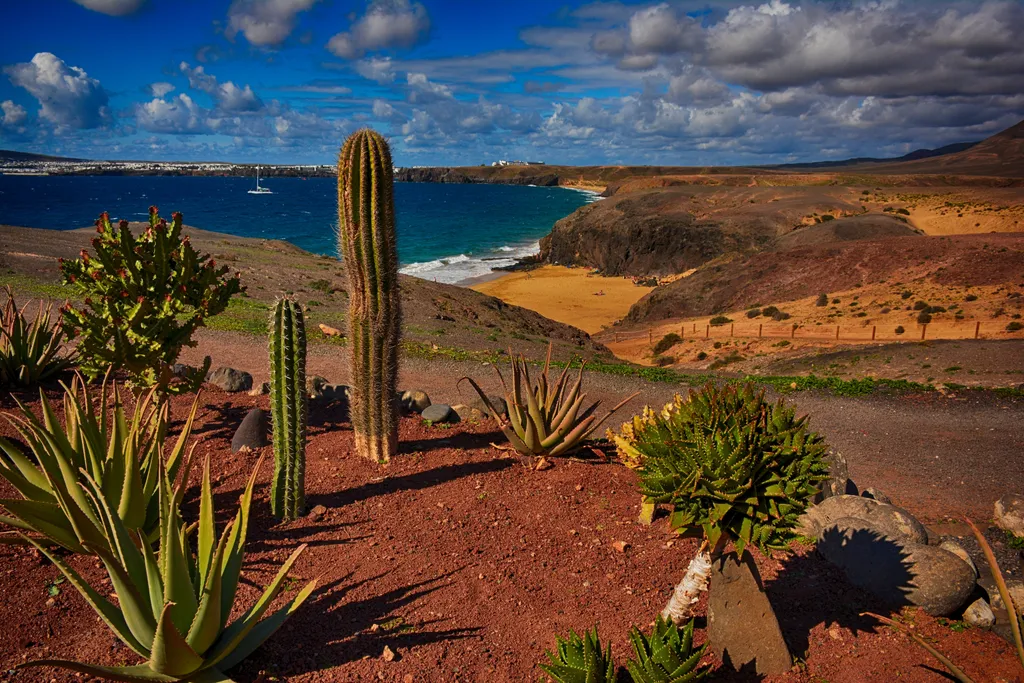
x=837, y=332
x=759, y=328
x=707, y=331
x=732, y=330
x=924, y=327
x=792, y=334
x=977, y=329
x=874, y=328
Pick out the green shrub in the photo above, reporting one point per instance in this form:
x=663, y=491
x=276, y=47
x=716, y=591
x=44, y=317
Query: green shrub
x=827, y=217
x=902, y=211
x=580, y=660
x=753, y=312
x=729, y=463
x=719, y=320
x=923, y=318
x=899, y=329
x=702, y=356
x=822, y=300
x=30, y=350
x=971, y=297
x=769, y=311
x=717, y=345
x=144, y=297
x=664, y=361
x=906, y=294
x=666, y=343
x=779, y=316
x=1014, y=327
x=920, y=305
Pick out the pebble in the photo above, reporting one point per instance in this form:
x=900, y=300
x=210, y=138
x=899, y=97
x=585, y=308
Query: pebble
x=389, y=654
x=620, y=546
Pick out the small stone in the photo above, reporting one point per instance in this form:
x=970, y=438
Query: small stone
x=413, y=401
x=230, y=380
x=317, y=512
x=407, y=678
x=979, y=614
x=252, y=432
x=331, y=331
x=1010, y=514
x=262, y=390
x=51, y=602
x=579, y=487
x=620, y=546
x=439, y=413
x=389, y=655
x=544, y=464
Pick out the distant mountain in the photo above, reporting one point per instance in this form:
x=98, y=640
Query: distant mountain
x=999, y=155
x=11, y=155
x=912, y=156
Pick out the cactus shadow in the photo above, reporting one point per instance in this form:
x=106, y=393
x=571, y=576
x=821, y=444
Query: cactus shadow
x=219, y=420
x=809, y=590
x=408, y=482
x=336, y=630
x=459, y=441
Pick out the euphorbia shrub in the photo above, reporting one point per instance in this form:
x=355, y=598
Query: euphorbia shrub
x=144, y=296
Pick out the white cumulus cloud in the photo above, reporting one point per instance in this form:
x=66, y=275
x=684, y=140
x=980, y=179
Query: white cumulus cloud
x=14, y=114
x=67, y=96
x=160, y=89
x=229, y=96
x=387, y=24
x=115, y=8
x=265, y=22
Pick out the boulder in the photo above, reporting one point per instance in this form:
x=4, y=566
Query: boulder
x=230, y=380
x=838, y=482
x=742, y=626
x=958, y=550
x=440, y=413
x=896, y=571
x=181, y=371
x=315, y=385
x=1010, y=514
x=413, y=401
x=890, y=520
x=497, y=401
x=979, y=615
x=1016, y=590
x=874, y=494
x=253, y=432
x=466, y=413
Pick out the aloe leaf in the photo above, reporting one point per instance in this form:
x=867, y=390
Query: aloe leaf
x=140, y=673
x=171, y=654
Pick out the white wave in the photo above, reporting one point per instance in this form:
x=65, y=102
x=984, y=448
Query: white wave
x=463, y=267
x=591, y=195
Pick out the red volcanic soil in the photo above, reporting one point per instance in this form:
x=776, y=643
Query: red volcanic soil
x=465, y=564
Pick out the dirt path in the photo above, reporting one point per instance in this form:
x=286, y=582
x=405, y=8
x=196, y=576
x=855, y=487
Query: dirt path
x=938, y=456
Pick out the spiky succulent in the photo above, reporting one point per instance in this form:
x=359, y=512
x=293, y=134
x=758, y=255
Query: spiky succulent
x=667, y=655
x=580, y=660
x=546, y=419
x=30, y=350
x=729, y=463
x=173, y=606
x=120, y=452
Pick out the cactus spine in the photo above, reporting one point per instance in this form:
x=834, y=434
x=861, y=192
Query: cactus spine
x=366, y=239
x=288, y=409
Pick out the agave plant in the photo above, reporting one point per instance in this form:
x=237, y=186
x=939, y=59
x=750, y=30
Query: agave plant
x=173, y=605
x=580, y=660
x=667, y=655
x=30, y=350
x=549, y=422
x=122, y=453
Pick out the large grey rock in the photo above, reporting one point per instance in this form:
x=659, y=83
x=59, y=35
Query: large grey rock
x=413, y=401
x=1010, y=514
x=838, y=482
x=497, y=401
x=961, y=552
x=315, y=386
x=440, y=413
x=742, y=626
x=467, y=413
x=1016, y=590
x=896, y=571
x=890, y=520
x=253, y=432
x=979, y=615
x=230, y=380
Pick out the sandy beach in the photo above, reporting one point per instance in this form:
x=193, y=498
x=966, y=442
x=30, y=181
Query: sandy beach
x=574, y=296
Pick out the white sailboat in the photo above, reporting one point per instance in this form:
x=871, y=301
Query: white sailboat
x=259, y=190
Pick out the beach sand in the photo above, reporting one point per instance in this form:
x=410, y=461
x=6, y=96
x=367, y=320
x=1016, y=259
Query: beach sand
x=568, y=295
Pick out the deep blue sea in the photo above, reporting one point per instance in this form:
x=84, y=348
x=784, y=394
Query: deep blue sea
x=445, y=232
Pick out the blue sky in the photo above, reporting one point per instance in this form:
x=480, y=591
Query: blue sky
x=471, y=81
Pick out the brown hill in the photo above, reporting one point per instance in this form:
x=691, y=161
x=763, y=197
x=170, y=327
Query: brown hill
x=871, y=226
x=999, y=155
x=778, y=276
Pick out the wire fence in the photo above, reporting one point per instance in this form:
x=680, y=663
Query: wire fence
x=855, y=333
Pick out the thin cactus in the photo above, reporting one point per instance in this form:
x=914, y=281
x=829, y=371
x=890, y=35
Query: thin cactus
x=366, y=238
x=288, y=409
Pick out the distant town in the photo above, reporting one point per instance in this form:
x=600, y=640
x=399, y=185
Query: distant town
x=34, y=165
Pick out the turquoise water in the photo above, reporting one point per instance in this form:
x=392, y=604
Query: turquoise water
x=445, y=232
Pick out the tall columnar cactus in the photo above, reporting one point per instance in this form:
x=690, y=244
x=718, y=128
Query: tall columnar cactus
x=288, y=409
x=366, y=239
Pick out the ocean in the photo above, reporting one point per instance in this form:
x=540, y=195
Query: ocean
x=449, y=233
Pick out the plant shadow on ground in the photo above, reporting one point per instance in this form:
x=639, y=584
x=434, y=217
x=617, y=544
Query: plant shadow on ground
x=407, y=482
x=217, y=419
x=808, y=590
x=337, y=632
x=459, y=441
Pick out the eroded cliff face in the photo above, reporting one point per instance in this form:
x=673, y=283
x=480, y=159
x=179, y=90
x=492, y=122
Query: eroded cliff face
x=484, y=174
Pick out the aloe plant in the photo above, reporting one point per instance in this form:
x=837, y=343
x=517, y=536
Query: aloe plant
x=288, y=402
x=173, y=605
x=366, y=239
x=667, y=655
x=545, y=420
x=121, y=452
x=580, y=660
x=30, y=350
